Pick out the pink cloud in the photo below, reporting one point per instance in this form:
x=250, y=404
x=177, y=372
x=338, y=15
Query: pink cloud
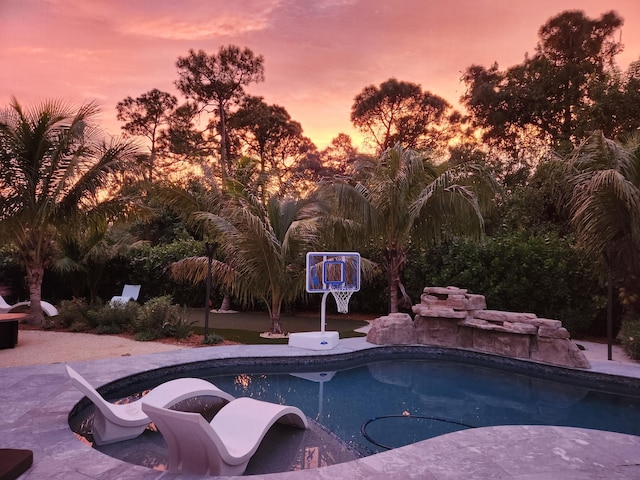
x=318, y=54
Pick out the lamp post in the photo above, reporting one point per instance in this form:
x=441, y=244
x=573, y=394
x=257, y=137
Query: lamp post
x=208, y=248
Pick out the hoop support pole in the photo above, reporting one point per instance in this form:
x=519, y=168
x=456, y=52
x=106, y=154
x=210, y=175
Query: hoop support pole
x=323, y=311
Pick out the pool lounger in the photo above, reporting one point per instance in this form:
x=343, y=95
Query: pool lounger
x=117, y=422
x=46, y=307
x=225, y=445
x=129, y=293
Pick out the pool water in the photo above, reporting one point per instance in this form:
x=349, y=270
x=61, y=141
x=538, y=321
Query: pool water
x=408, y=401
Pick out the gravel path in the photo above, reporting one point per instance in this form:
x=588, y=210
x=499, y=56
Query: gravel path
x=39, y=347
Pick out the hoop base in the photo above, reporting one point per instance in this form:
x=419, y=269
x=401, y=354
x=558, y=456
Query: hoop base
x=314, y=340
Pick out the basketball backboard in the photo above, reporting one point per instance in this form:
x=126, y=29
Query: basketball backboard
x=326, y=270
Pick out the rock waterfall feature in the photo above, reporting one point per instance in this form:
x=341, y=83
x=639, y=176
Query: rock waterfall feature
x=452, y=317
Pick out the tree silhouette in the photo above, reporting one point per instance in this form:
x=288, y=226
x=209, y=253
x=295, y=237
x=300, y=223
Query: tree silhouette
x=145, y=116
x=400, y=113
x=218, y=81
x=551, y=94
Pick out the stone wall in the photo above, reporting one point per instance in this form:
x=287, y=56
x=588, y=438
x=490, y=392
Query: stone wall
x=451, y=317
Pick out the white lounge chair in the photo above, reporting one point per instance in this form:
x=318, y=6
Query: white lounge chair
x=129, y=292
x=117, y=422
x=46, y=307
x=225, y=445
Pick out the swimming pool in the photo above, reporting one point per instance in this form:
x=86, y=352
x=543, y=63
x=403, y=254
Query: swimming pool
x=416, y=393
x=412, y=400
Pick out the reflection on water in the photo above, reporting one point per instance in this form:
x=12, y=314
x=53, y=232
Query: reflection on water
x=439, y=397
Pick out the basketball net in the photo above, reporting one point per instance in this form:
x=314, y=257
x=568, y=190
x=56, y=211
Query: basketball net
x=342, y=296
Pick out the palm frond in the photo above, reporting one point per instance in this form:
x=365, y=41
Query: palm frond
x=604, y=196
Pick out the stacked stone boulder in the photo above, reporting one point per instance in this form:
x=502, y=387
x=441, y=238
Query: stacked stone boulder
x=452, y=317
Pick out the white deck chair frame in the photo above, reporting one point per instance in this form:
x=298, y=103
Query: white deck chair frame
x=129, y=292
x=225, y=445
x=117, y=422
x=46, y=307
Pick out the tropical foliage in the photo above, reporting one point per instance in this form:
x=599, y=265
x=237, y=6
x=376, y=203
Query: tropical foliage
x=252, y=185
x=405, y=199
x=601, y=192
x=264, y=247
x=56, y=170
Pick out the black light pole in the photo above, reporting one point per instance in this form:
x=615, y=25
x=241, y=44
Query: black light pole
x=609, y=313
x=209, y=248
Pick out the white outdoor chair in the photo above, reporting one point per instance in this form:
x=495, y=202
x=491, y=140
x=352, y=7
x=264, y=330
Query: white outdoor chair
x=117, y=422
x=129, y=292
x=225, y=445
x=46, y=307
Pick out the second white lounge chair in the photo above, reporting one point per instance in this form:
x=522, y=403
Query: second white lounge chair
x=117, y=422
x=46, y=307
x=225, y=445
x=129, y=292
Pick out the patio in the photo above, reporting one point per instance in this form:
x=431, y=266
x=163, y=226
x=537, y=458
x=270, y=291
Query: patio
x=36, y=401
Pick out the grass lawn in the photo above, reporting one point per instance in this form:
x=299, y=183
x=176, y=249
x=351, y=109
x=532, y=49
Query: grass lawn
x=245, y=327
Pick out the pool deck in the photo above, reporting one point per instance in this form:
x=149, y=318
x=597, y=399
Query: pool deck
x=35, y=402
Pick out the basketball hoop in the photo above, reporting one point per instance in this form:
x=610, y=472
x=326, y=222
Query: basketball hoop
x=342, y=296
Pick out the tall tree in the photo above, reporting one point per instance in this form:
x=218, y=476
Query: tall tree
x=618, y=98
x=55, y=168
x=218, y=81
x=145, y=116
x=340, y=155
x=603, y=201
x=549, y=95
x=400, y=112
x=404, y=199
x=268, y=132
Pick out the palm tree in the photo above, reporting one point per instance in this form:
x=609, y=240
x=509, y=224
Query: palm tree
x=404, y=199
x=55, y=169
x=603, y=201
x=264, y=246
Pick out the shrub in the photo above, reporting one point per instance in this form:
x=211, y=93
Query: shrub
x=152, y=316
x=115, y=318
x=73, y=315
x=630, y=336
x=213, y=339
x=145, y=336
x=179, y=327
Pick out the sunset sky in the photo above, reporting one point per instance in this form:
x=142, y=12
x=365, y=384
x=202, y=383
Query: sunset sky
x=319, y=54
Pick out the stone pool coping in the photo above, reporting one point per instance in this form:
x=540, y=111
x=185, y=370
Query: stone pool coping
x=35, y=402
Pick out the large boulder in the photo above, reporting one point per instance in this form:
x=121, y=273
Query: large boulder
x=393, y=329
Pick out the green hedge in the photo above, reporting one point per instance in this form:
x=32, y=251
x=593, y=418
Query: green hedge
x=541, y=274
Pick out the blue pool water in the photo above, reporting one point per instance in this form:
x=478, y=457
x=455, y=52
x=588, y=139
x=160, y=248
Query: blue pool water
x=413, y=400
